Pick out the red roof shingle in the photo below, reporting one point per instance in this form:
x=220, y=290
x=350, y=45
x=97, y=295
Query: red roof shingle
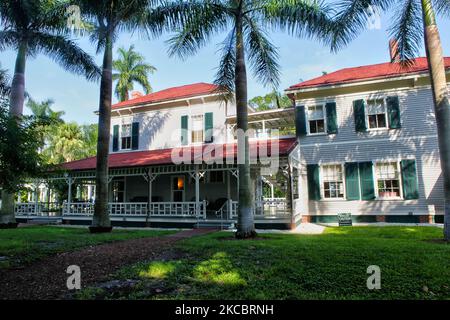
x=373, y=71
x=187, y=91
x=164, y=156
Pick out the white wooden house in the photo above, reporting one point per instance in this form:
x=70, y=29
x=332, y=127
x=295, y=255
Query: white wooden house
x=359, y=140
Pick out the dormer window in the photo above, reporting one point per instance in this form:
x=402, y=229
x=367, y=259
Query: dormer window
x=126, y=136
x=316, y=119
x=376, y=114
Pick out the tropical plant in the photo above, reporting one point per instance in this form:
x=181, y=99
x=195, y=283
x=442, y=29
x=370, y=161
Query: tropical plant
x=4, y=83
x=44, y=110
x=19, y=156
x=130, y=68
x=66, y=143
x=272, y=100
x=89, y=133
x=31, y=27
x=108, y=18
x=247, y=23
x=413, y=22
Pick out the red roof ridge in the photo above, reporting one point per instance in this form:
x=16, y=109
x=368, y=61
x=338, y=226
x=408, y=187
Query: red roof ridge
x=172, y=93
x=367, y=72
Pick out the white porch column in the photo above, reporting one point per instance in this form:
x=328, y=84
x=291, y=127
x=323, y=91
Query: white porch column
x=36, y=197
x=69, y=195
x=197, y=190
x=259, y=193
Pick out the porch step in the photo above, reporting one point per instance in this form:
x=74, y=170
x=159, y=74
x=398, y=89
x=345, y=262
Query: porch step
x=214, y=225
x=44, y=220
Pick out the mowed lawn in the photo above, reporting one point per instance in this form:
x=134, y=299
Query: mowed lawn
x=21, y=246
x=414, y=263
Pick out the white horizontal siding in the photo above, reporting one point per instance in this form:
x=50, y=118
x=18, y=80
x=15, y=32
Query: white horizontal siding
x=417, y=139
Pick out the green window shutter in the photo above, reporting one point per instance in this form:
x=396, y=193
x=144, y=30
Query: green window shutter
x=313, y=181
x=366, y=181
x=393, y=109
x=352, y=181
x=115, y=142
x=135, y=136
x=184, y=130
x=409, y=178
x=330, y=109
x=300, y=121
x=209, y=127
x=360, y=115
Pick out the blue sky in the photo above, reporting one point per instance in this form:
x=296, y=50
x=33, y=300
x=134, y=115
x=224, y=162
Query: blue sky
x=299, y=59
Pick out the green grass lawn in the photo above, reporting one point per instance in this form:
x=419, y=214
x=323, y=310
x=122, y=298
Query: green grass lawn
x=23, y=245
x=281, y=266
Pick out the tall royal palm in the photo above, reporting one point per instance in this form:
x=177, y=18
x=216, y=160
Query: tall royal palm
x=131, y=67
x=247, y=23
x=31, y=27
x=107, y=19
x=413, y=21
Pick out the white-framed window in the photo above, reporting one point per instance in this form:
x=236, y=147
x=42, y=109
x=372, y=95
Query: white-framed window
x=388, y=179
x=332, y=181
x=315, y=116
x=125, y=136
x=376, y=114
x=197, y=134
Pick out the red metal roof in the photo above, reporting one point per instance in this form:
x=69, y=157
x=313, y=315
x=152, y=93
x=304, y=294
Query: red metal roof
x=187, y=91
x=369, y=72
x=206, y=151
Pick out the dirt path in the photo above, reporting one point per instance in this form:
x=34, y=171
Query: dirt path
x=46, y=278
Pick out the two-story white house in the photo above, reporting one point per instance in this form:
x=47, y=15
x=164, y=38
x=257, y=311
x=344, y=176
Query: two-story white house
x=359, y=140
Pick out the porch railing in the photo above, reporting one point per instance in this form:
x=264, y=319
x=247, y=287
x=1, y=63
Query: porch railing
x=37, y=209
x=160, y=209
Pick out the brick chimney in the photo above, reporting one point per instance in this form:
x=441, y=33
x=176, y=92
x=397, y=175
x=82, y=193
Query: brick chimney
x=393, y=50
x=136, y=94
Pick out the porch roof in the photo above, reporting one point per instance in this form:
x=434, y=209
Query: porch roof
x=164, y=156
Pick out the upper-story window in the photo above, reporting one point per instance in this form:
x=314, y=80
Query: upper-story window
x=197, y=129
x=332, y=181
x=376, y=114
x=316, y=119
x=388, y=179
x=126, y=136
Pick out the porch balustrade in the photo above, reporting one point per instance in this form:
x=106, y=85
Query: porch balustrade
x=272, y=207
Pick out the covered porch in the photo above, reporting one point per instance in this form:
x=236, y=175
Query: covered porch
x=167, y=195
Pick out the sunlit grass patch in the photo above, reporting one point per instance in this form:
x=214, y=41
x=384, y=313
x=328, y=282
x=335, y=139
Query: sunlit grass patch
x=218, y=269
x=159, y=269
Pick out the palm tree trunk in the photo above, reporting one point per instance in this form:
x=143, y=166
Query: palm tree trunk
x=246, y=224
x=100, y=220
x=441, y=101
x=7, y=216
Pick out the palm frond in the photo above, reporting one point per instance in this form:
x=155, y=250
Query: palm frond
x=407, y=30
x=66, y=53
x=302, y=18
x=262, y=54
x=442, y=7
x=201, y=20
x=8, y=39
x=5, y=83
x=225, y=74
x=353, y=17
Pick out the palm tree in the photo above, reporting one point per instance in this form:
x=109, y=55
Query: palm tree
x=131, y=67
x=32, y=27
x=90, y=136
x=108, y=18
x=44, y=110
x=413, y=21
x=247, y=23
x=66, y=144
